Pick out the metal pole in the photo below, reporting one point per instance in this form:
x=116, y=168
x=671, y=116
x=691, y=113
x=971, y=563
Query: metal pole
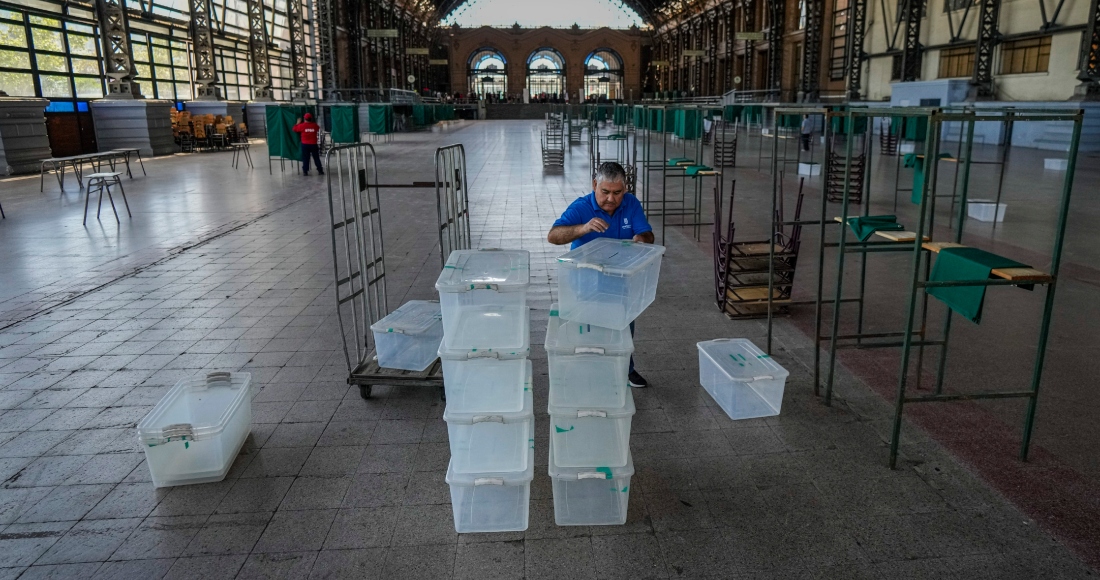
x=840, y=264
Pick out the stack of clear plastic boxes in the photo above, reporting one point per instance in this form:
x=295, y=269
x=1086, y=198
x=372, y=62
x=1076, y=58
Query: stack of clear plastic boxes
x=487, y=379
x=603, y=286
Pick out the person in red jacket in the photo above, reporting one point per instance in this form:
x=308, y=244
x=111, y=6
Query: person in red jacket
x=309, y=131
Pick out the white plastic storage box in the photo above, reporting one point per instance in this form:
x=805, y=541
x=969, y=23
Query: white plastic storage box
x=195, y=432
x=588, y=364
x=490, y=442
x=492, y=502
x=743, y=380
x=484, y=384
x=590, y=496
x=483, y=294
x=592, y=436
x=983, y=210
x=409, y=337
x=608, y=282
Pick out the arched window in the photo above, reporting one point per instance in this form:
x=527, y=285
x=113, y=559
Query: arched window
x=486, y=73
x=546, y=74
x=603, y=74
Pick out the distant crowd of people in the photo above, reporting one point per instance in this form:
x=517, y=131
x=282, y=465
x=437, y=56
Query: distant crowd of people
x=500, y=97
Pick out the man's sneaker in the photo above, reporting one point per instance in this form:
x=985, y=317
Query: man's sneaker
x=637, y=381
x=320, y=172
x=305, y=173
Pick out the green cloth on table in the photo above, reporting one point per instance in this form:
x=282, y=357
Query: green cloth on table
x=864, y=226
x=966, y=264
x=616, y=137
x=916, y=162
x=678, y=160
x=695, y=169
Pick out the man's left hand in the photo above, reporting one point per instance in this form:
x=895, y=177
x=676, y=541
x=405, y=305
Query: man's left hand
x=644, y=238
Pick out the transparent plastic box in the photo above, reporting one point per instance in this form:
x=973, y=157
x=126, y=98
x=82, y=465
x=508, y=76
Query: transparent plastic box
x=408, y=338
x=590, y=496
x=490, y=442
x=486, y=385
x=588, y=364
x=492, y=502
x=986, y=210
x=194, y=433
x=608, y=282
x=745, y=382
x=590, y=436
x=483, y=295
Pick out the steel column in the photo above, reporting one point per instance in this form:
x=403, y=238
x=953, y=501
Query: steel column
x=776, y=16
x=202, y=42
x=911, y=51
x=257, y=48
x=811, y=51
x=857, y=31
x=1089, y=89
x=299, y=70
x=118, y=56
x=748, y=18
x=326, y=39
x=981, y=83
x=353, y=30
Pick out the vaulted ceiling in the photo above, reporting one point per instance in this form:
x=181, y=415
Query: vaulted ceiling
x=652, y=11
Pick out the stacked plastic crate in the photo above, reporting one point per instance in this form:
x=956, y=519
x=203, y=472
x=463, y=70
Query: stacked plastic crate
x=603, y=286
x=487, y=380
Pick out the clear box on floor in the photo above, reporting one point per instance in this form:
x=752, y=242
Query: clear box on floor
x=408, y=338
x=483, y=295
x=587, y=436
x=492, y=502
x=745, y=382
x=986, y=210
x=590, y=496
x=608, y=282
x=490, y=442
x=194, y=433
x=486, y=385
x=588, y=364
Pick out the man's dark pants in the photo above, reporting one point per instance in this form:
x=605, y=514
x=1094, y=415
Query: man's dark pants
x=311, y=150
x=632, y=356
x=805, y=141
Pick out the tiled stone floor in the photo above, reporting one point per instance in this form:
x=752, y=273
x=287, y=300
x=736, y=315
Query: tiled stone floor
x=331, y=485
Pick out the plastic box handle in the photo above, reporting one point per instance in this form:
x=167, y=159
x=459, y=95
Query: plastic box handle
x=592, y=475
x=483, y=354
x=590, y=266
x=589, y=350
x=488, y=419
x=596, y=413
x=489, y=481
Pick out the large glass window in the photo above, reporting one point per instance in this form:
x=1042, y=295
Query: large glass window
x=957, y=62
x=603, y=75
x=486, y=73
x=1031, y=55
x=546, y=74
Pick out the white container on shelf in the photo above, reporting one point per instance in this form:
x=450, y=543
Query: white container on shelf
x=584, y=437
x=492, y=502
x=608, y=282
x=490, y=442
x=483, y=294
x=590, y=496
x=743, y=380
x=194, y=433
x=486, y=385
x=408, y=338
x=983, y=210
x=588, y=364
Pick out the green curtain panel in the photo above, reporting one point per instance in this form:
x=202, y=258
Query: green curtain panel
x=381, y=118
x=659, y=120
x=752, y=114
x=790, y=121
x=419, y=116
x=966, y=264
x=916, y=128
x=840, y=126
x=639, y=116
x=732, y=112
x=688, y=123
x=345, y=123
x=282, y=141
x=622, y=114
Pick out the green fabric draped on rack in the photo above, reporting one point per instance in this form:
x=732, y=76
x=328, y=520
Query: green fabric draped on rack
x=688, y=123
x=694, y=170
x=420, y=116
x=916, y=163
x=448, y=113
x=381, y=118
x=840, y=124
x=863, y=227
x=731, y=113
x=752, y=114
x=639, y=116
x=282, y=141
x=789, y=122
x=622, y=114
x=344, y=123
x=958, y=264
x=660, y=120
x=916, y=128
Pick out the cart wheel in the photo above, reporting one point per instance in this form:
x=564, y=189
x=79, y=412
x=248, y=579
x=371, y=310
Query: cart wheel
x=442, y=394
x=364, y=391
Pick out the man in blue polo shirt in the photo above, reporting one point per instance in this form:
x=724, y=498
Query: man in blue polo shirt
x=608, y=212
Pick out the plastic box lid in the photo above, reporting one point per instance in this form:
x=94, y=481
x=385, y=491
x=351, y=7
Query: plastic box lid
x=578, y=473
x=207, y=401
x=602, y=412
x=564, y=337
x=412, y=317
x=467, y=353
x=500, y=270
x=741, y=360
x=496, y=478
x=525, y=414
x=612, y=257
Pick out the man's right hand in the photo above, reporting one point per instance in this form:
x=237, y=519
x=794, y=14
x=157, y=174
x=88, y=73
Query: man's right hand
x=594, y=225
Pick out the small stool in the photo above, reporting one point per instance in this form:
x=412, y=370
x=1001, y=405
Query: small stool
x=103, y=182
x=237, y=149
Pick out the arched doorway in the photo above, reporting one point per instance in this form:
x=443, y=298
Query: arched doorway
x=603, y=74
x=546, y=74
x=485, y=74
